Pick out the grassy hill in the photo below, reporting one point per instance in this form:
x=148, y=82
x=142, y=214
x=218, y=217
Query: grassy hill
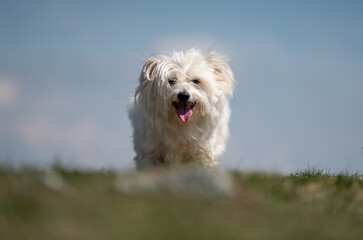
x=88, y=205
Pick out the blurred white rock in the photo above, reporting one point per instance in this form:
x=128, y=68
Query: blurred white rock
x=52, y=180
x=180, y=180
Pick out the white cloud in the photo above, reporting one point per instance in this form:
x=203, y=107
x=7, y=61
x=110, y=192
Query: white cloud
x=8, y=92
x=80, y=143
x=184, y=42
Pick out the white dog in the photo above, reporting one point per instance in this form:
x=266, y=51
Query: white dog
x=181, y=109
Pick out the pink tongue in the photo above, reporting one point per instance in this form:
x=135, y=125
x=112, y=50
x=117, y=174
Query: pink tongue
x=184, y=111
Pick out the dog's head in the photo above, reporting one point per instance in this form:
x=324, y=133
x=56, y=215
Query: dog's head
x=181, y=86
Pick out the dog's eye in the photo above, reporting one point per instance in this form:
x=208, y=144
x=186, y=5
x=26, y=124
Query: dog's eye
x=196, y=81
x=172, y=81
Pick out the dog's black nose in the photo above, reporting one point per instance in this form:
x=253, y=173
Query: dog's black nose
x=183, y=96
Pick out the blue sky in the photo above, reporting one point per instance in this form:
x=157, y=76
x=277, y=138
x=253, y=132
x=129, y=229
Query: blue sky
x=67, y=69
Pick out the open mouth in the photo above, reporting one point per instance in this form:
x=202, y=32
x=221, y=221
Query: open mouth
x=184, y=110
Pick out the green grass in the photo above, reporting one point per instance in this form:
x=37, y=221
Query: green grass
x=306, y=205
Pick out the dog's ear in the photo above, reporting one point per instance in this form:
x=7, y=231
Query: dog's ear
x=148, y=74
x=149, y=70
x=222, y=72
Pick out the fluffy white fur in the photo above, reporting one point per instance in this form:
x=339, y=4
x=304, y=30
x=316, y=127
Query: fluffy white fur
x=164, y=131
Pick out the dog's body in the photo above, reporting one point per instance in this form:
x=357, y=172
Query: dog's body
x=181, y=109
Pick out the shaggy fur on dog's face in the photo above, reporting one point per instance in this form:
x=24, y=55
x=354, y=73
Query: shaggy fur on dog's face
x=181, y=104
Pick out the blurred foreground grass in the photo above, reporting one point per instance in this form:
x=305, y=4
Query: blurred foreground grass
x=75, y=205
